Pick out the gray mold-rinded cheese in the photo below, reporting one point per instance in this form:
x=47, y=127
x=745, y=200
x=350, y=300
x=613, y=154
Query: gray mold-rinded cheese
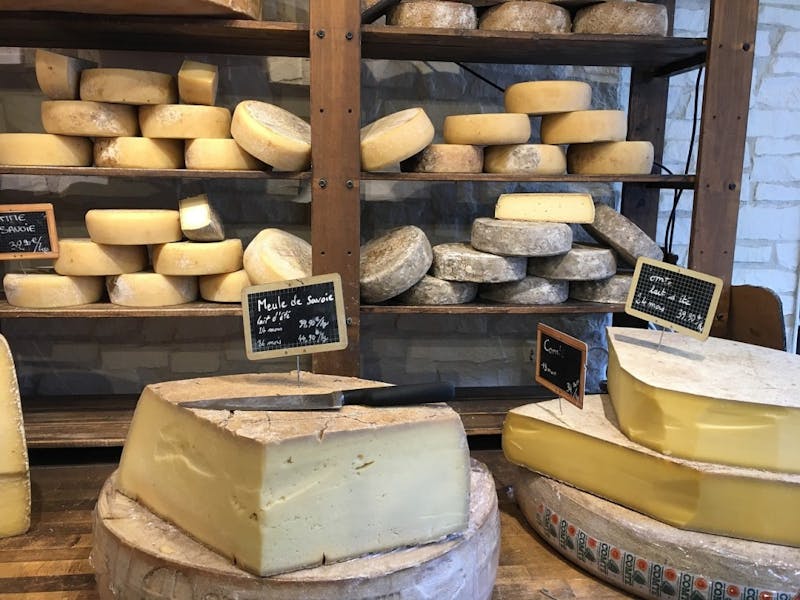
x=612, y=290
x=433, y=13
x=462, y=262
x=531, y=290
x=445, y=158
x=622, y=234
x=526, y=15
x=621, y=17
x=582, y=263
x=432, y=290
x=521, y=238
x=393, y=262
x=530, y=159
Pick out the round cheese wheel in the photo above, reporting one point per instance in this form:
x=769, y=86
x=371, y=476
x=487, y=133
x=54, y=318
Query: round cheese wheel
x=82, y=256
x=623, y=17
x=610, y=158
x=446, y=158
x=90, y=119
x=520, y=238
x=393, y=262
x=212, y=154
x=462, y=262
x=273, y=135
x=525, y=159
x=394, y=138
x=138, y=153
x=184, y=121
x=530, y=290
x=277, y=255
x=224, y=287
x=585, y=126
x=527, y=15
x=488, y=129
x=59, y=76
x=434, y=291
x=48, y=290
x=128, y=86
x=432, y=13
x=44, y=149
x=613, y=290
x=198, y=258
x=581, y=263
x=546, y=97
x=150, y=289
x=622, y=234
x=133, y=226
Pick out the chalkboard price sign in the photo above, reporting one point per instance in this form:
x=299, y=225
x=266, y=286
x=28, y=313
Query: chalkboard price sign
x=27, y=231
x=294, y=317
x=674, y=297
x=561, y=364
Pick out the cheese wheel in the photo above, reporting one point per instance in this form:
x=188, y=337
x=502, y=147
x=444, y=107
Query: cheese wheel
x=394, y=138
x=149, y=289
x=613, y=290
x=273, y=135
x=48, y=290
x=44, y=149
x=196, y=258
x=583, y=126
x=90, y=119
x=393, y=262
x=128, y=86
x=197, y=83
x=623, y=17
x=59, y=76
x=530, y=290
x=526, y=15
x=276, y=255
x=213, y=154
x=224, y=287
x=432, y=14
x=488, y=129
x=581, y=263
x=611, y=158
x=199, y=220
x=434, y=291
x=622, y=234
x=520, y=238
x=525, y=159
x=184, y=121
x=133, y=226
x=461, y=262
x=546, y=97
x=445, y=158
x=138, y=153
x=82, y=256
x=172, y=9
x=550, y=207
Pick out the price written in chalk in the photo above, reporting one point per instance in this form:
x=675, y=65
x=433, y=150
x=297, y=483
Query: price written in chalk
x=561, y=364
x=27, y=231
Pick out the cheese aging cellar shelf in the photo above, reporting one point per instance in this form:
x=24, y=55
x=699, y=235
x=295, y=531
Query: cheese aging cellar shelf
x=681, y=182
x=569, y=307
x=154, y=173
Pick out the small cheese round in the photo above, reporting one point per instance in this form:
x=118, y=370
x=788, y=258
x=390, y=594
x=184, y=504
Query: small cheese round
x=525, y=159
x=581, y=263
x=90, y=119
x=197, y=83
x=48, y=290
x=526, y=15
x=530, y=290
x=184, y=121
x=59, y=76
x=584, y=126
x=213, y=154
x=393, y=262
x=462, y=262
x=550, y=207
x=547, y=97
x=623, y=17
x=613, y=290
x=44, y=149
x=445, y=158
x=198, y=258
x=150, y=289
x=611, y=158
x=273, y=135
x=277, y=255
x=138, y=153
x=82, y=256
x=622, y=234
x=520, y=238
x=128, y=86
x=432, y=13
x=434, y=291
x=487, y=129
x=133, y=226
x=224, y=287
x=394, y=138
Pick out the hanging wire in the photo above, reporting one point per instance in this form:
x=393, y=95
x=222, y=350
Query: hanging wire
x=474, y=73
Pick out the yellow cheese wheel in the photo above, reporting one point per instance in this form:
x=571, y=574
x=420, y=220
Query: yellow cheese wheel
x=82, y=256
x=546, y=97
x=59, y=76
x=90, y=119
x=446, y=158
x=49, y=290
x=197, y=83
x=133, y=226
x=394, y=138
x=549, y=207
x=610, y=158
x=212, y=154
x=584, y=126
x=273, y=135
x=138, y=153
x=198, y=258
x=489, y=129
x=184, y=121
x=433, y=13
x=44, y=149
x=128, y=86
x=529, y=159
x=224, y=287
x=277, y=255
x=150, y=289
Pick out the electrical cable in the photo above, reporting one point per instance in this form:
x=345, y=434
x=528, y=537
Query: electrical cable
x=479, y=76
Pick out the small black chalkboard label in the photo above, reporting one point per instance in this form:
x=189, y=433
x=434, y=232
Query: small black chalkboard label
x=674, y=297
x=27, y=231
x=561, y=364
x=294, y=317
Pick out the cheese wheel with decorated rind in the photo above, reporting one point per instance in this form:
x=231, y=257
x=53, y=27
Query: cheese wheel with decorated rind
x=520, y=238
x=89, y=119
x=44, y=150
x=432, y=14
x=277, y=255
x=197, y=83
x=224, y=287
x=393, y=262
x=219, y=154
x=581, y=263
x=525, y=159
x=623, y=17
x=445, y=158
x=487, y=129
x=82, y=256
x=128, y=86
x=394, y=138
x=622, y=234
x=530, y=290
x=434, y=291
x=546, y=97
x=138, y=153
x=462, y=262
x=198, y=258
x=49, y=290
x=59, y=76
x=550, y=207
x=584, y=126
x=613, y=290
x=148, y=289
x=611, y=158
x=526, y=15
x=184, y=121
x=273, y=135
x=133, y=226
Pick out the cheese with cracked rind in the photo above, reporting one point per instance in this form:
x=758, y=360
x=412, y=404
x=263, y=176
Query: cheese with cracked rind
x=581, y=263
x=198, y=258
x=612, y=290
x=214, y=154
x=393, y=262
x=526, y=15
x=45, y=150
x=277, y=255
x=49, y=290
x=224, y=287
x=273, y=135
x=89, y=119
x=82, y=256
x=394, y=138
x=184, y=121
x=584, y=126
x=623, y=17
x=462, y=262
x=445, y=158
x=148, y=289
x=128, y=86
x=487, y=129
x=546, y=97
x=432, y=13
x=138, y=153
x=550, y=207
x=59, y=76
x=200, y=222
x=434, y=291
x=530, y=290
x=520, y=238
x=528, y=159
x=622, y=234
x=197, y=83
x=133, y=226
x=611, y=158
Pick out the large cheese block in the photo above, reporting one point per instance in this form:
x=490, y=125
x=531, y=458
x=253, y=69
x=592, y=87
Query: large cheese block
x=289, y=489
x=584, y=126
x=277, y=255
x=432, y=13
x=613, y=290
x=530, y=290
x=581, y=263
x=549, y=207
x=44, y=149
x=462, y=262
x=197, y=83
x=611, y=158
x=224, y=287
x=15, y=483
x=446, y=158
x=247, y=9
x=650, y=559
x=199, y=220
x=184, y=121
x=546, y=97
x=147, y=289
x=623, y=17
x=198, y=258
x=90, y=119
x=393, y=262
x=82, y=256
x=214, y=154
x=487, y=129
x=394, y=138
x=622, y=234
x=128, y=86
x=133, y=226
x=50, y=290
x=526, y=15
x=138, y=153
x=525, y=159
x=585, y=449
x=520, y=238
x=59, y=76
x=273, y=135
x=434, y=291
x=715, y=400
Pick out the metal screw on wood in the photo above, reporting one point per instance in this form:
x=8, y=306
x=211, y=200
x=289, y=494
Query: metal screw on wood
x=320, y=33
x=349, y=320
x=731, y=186
x=349, y=183
x=323, y=183
x=348, y=35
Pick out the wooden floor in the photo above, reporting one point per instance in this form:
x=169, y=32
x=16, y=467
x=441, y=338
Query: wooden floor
x=51, y=561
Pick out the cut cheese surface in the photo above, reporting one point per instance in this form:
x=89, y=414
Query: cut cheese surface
x=394, y=138
x=585, y=449
x=89, y=119
x=611, y=158
x=200, y=221
x=432, y=291
x=546, y=97
x=622, y=234
x=224, y=287
x=445, y=158
x=128, y=86
x=273, y=135
x=44, y=149
x=581, y=263
x=520, y=238
x=213, y=154
x=198, y=258
x=584, y=126
x=133, y=226
x=277, y=255
x=623, y=17
x=148, y=289
x=531, y=159
x=527, y=15
x=462, y=262
x=530, y=290
x=432, y=14
x=82, y=256
x=715, y=400
x=393, y=262
x=138, y=153
x=49, y=290
x=197, y=83
x=59, y=76
x=551, y=207
x=291, y=489
x=184, y=121
x=487, y=129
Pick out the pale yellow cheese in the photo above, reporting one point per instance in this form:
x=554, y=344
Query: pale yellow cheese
x=488, y=129
x=90, y=119
x=531, y=159
x=198, y=258
x=446, y=158
x=273, y=135
x=184, y=121
x=551, y=207
x=433, y=14
x=138, y=153
x=277, y=255
x=197, y=83
x=224, y=287
x=546, y=97
x=394, y=138
x=59, y=76
x=82, y=256
x=128, y=86
x=611, y=158
x=199, y=220
x=44, y=149
x=147, y=289
x=49, y=290
x=584, y=126
x=133, y=226
x=213, y=154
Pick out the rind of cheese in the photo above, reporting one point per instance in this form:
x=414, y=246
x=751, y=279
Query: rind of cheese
x=613, y=290
x=224, y=287
x=622, y=234
x=530, y=290
x=265, y=475
x=716, y=400
x=147, y=289
x=582, y=263
x=623, y=17
x=59, y=76
x=277, y=255
x=133, y=226
x=432, y=13
x=89, y=119
x=197, y=83
x=198, y=258
x=487, y=129
x=45, y=150
x=393, y=262
x=462, y=262
x=584, y=126
x=82, y=256
x=546, y=97
x=199, y=220
x=551, y=207
x=128, y=86
x=48, y=290
x=215, y=154
x=184, y=121
x=138, y=153
x=526, y=15
x=611, y=158
x=394, y=138
x=233, y=9
x=527, y=159
x=445, y=158
x=273, y=135
x=520, y=238
x=434, y=291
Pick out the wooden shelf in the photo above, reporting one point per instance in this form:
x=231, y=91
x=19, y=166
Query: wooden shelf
x=155, y=173
x=108, y=310
x=571, y=306
x=685, y=182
